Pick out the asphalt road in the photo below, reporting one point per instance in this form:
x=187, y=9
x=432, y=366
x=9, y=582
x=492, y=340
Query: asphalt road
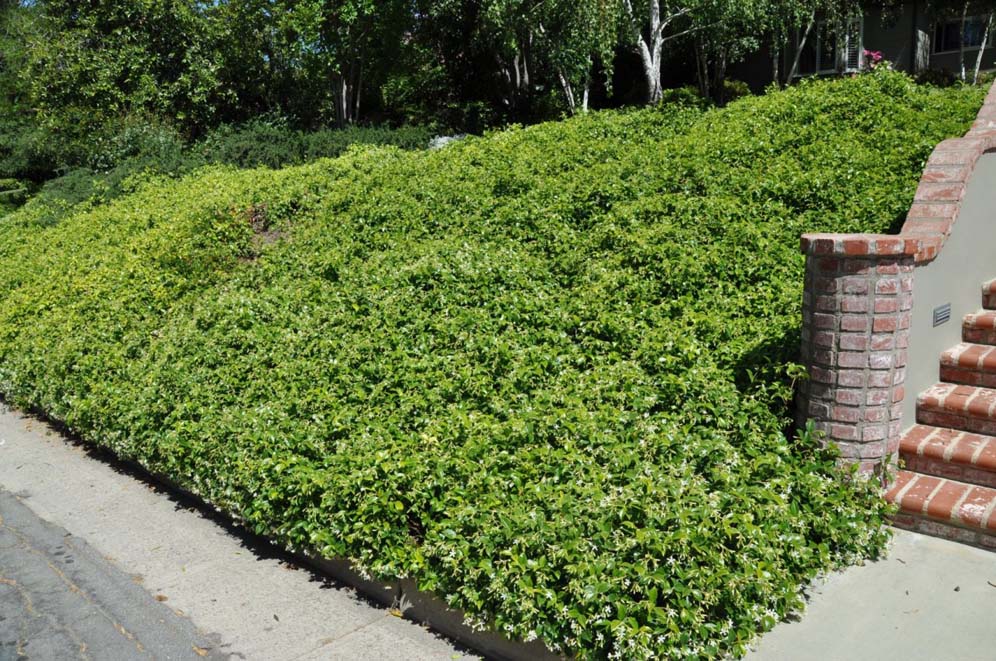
x=59, y=599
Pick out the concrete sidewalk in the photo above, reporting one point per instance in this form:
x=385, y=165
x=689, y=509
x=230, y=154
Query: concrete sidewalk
x=930, y=599
x=231, y=595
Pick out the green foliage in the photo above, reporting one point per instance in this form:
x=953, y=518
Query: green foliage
x=546, y=372
x=89, y=64
x=272, y=143
x=113, y=161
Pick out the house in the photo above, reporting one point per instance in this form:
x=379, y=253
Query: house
x=911, y=36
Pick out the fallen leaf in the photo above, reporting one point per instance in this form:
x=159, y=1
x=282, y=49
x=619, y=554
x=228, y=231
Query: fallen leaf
x=161, y=597
x=200, y=651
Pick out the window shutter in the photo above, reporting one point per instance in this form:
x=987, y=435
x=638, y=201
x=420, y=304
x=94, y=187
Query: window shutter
x=853, y=48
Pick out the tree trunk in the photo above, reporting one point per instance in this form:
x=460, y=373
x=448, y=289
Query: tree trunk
x=798, y=51
x=961, y=41
x=702, y=70
x=776, y=56
x=719, y=78
x=340, y=89
x=357, y=92
x=568, y=91
x=982, y=48
x=649, y=49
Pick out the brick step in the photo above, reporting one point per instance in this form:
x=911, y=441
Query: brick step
x=970, y=364
x=944, y=508
x=979, y=327
x=989, y=295
x=961, y=407
x=950, y=453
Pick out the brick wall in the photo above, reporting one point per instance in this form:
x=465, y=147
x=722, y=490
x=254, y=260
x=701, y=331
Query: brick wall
x=857, y=303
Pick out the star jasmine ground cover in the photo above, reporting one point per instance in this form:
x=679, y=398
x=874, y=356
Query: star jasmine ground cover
x=546, y=372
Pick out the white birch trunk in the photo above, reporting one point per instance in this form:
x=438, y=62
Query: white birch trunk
x=982, y=48
x=802, y=45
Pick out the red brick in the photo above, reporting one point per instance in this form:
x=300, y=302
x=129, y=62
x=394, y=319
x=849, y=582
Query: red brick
x=926, y=226
x=944, y=174
x=828, y=265
x=885, y=324
x=941, y=210
x=820, y=375
x=825, y=285
x=846, y=414
x=856, y=247
x=855, y=286
x=853, y=342
x=939, y=192
x=887, y=268
x=882, y=342
x=824, y=339
x=824, y=321
x=873, y=433
x=818, y=410
x=858, y=266
x=941, y=504
x=843, y=432
x=987, y=456
x=851, y=378
x=849, y=397
x=889, y=246
x=823, y=357
x=881, y=360
x=877, y=397
x=876, y=415
x=854, y=304
x=879, y=379
x=887, y=286
x=991, y=522
x=914, y=500
x=852, y=359
x=853, y=322
x=962, y=158
x=818, y=246
x=902, y=478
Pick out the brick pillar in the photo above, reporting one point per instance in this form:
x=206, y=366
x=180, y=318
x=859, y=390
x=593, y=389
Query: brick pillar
x=857, y=307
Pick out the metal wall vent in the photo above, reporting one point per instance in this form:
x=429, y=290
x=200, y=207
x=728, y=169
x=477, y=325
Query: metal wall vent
x=942, y=314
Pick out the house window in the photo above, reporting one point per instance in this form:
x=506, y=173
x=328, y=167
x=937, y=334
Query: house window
x=949, y=35
x=827, y=51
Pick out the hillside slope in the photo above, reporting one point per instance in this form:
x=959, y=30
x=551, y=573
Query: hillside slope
x=544, y=371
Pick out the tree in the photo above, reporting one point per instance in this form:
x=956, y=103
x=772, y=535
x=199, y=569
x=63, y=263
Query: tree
x=724, y=31
x=572, y=36
x=346, y=44
x=651, y=24
x=97, y=59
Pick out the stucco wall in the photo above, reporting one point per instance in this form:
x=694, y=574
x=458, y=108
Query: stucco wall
x=956, y=276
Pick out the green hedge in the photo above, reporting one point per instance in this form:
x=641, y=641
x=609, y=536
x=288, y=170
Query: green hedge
x=544, y=371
